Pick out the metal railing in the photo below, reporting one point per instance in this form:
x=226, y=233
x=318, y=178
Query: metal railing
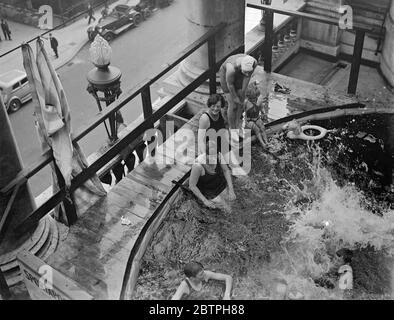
x=131, y=139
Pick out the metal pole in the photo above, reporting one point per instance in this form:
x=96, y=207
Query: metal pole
x=146, y=102
x=356, y=62
x=269, y=27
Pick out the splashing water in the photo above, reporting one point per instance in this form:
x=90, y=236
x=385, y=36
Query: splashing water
x=285, y=227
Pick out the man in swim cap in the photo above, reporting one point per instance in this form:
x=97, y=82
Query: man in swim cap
x=235, y=74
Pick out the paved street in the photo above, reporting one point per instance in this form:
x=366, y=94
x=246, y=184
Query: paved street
x=139, y=53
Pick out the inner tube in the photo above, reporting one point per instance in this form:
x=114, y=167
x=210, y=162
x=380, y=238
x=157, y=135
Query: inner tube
x=303, y=136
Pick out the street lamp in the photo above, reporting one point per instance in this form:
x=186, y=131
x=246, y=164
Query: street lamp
x=104, y=81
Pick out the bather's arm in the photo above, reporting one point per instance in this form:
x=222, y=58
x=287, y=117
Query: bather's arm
x=221, y=277
x=182, y=289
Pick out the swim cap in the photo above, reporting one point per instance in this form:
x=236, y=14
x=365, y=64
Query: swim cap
x=247, y=63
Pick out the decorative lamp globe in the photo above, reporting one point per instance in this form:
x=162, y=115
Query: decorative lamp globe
x=103, y=76
x=100, y=52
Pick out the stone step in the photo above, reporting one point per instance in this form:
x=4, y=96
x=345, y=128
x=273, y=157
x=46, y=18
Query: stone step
x=52, y=243
x=45, y=245
x=28, y=245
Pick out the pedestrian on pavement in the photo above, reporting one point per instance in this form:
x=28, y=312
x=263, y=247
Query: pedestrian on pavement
x=54, y=44
x=6, y=29
x=235, y=74
x=90, y=13
x=105, y=11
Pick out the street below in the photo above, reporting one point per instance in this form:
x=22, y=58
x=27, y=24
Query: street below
x=139, y=53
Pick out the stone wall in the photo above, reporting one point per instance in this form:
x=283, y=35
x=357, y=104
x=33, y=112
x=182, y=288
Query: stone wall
x=21, y=15
x=24, y=15
x=333, y=40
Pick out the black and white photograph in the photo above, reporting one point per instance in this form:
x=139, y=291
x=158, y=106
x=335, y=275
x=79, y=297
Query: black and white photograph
x=156, y=151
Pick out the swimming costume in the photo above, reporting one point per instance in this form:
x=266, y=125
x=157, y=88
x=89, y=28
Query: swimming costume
x=212, y=184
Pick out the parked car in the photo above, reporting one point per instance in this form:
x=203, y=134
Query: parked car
x=15, y=89
x=143, y=8
x=120, y=19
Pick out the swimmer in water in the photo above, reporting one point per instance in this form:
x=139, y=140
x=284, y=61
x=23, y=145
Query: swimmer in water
x=195, y=276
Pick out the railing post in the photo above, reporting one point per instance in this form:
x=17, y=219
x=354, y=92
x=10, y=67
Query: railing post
x=146, y=102
x=356, y=62
x=269, y=27
x=147, y=107
x=212, y=65
x=68, y=204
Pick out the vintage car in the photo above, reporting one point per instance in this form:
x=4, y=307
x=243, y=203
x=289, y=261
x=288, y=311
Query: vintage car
x=120, y=19
x=15, y=89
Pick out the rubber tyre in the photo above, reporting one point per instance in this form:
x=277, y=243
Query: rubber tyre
x=14, y=105
x=303, y=136
x=137, y=20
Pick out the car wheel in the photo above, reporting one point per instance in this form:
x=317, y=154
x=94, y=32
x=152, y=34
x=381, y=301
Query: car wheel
x=137, y=20
x=14, y=105
x=109, y=37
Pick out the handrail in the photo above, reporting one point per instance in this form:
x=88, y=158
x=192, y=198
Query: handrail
x=114, y=107
x=310, y=16
x=128, y=138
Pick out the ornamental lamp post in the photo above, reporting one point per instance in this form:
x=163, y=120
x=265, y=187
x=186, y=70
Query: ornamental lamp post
x=104, y=81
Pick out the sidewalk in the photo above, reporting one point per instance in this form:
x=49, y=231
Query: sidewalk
x=71, y=39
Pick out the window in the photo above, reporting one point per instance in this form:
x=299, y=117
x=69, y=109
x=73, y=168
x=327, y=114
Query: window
x=15, y=86
x=23, y=81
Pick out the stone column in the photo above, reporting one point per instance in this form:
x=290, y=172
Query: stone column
x=387, y=57
x=318, y=36
x=10, y=166
x=203, y=15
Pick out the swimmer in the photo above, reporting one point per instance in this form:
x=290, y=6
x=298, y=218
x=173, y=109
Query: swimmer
x=195, y=276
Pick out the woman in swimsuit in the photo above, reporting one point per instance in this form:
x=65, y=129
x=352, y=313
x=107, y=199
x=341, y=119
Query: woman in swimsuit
x=213, y=119
x=235, y=74
x=210, y=179
x=193, y=283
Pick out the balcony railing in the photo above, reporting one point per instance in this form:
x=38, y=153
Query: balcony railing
x=132, y=139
